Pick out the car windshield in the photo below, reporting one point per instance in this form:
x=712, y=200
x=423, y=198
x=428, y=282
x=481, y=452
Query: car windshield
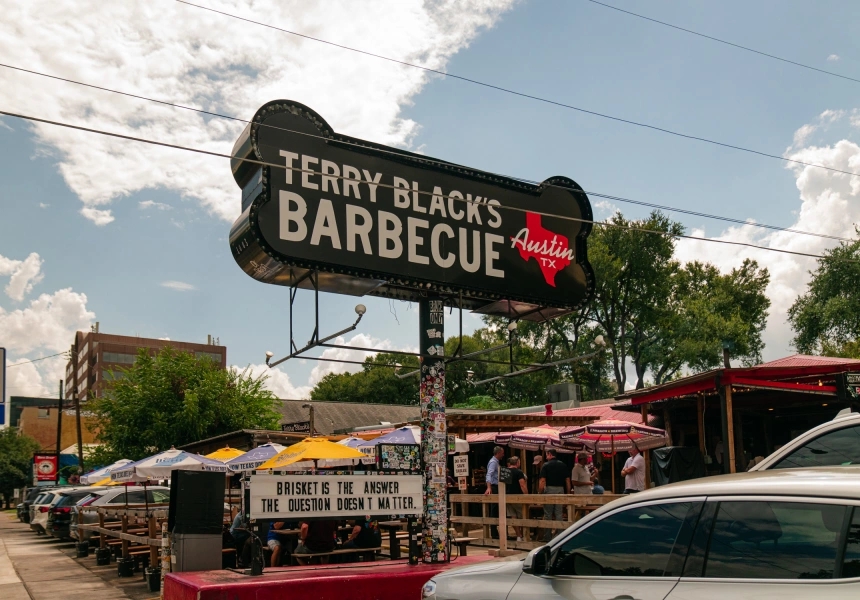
x=840, y=447
x=86, y=499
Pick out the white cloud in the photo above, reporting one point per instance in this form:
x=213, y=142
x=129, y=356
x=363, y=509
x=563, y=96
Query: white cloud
x=44, y=205
x=153, y=204
x=98, y=216
x=833, y=57
x=279, y=382
x=179, y=286
x=196, y=58
x=49, y=322
x=25, y=380
x=24, y=275
x=362, y=340
x=829, y=204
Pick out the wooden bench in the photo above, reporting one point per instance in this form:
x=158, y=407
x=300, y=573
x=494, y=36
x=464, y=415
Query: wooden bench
x=371, y=552
x=140, y=558
x=462, y=543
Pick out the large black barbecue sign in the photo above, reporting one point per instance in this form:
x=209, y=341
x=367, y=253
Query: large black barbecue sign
x=372, y=219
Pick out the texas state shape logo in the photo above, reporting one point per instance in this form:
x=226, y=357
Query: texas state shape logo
x=551, y=250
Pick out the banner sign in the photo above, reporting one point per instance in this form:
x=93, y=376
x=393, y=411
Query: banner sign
x=300, y=427
x=382, y=221
x=46, y=466
x=461, y=465
x=297, y=497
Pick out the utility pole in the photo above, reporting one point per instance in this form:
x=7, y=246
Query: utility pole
x=310, y=408
x=59, y=429
x=74, y=357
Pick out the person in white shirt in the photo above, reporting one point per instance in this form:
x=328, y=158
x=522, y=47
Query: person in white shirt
x=580, y=477
x=634, y=472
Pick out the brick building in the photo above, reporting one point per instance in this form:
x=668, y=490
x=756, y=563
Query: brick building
x=98, y=357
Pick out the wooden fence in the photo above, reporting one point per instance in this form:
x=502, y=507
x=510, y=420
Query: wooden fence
x=577, y=506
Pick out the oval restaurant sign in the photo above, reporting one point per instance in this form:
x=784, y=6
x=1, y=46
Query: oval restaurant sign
x=378, y=220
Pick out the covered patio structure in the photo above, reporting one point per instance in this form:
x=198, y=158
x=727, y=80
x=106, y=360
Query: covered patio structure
x=736, y=414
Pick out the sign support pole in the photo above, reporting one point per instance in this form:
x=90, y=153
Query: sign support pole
x=431, y=319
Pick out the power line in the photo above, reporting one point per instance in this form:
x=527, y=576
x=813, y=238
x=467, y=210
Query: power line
x=591, y=193
x=426, y=193
x=727, y=43
x=26, y=362
x=525, y=95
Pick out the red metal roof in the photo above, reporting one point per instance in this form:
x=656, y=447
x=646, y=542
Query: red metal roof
x=805, y=360
x=482, y=438
x=600, y=413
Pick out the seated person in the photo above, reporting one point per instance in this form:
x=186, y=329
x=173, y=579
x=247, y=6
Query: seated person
x=365, y=534
x=274, y=542
x=240, y=535
x=314, y=537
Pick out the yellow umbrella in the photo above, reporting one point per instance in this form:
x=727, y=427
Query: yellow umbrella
x=105, y=481
x=226, y=453
x=310, y=449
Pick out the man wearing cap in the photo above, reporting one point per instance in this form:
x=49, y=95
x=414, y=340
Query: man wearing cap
x=580, y=477
x=554, y=479
x=537, y=465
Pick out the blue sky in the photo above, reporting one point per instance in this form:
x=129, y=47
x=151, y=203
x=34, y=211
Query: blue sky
x=171, y=227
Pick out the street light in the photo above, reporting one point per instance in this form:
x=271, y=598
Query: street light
x=269, y=355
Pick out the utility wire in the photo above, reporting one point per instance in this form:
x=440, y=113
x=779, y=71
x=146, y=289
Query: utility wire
x=426, y=193
x=727, y=43
x=590, y=193
x=525, y=95
x=26, y=362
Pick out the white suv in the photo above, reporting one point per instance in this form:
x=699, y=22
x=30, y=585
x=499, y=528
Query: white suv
x=835, y=443
x=787, y=534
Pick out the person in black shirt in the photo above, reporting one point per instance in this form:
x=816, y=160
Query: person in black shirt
x=554, y=479
x=364, y=534
x=515, y=487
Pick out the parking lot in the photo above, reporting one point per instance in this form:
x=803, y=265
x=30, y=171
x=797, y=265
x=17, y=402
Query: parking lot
x=38, y=567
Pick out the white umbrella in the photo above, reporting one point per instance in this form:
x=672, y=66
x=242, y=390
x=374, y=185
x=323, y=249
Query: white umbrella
x=411, y=435
x=99, y=474
x=254, y=458
x=160, y=465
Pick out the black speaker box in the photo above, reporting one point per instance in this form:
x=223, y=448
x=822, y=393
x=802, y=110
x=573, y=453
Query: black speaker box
x=196, y=502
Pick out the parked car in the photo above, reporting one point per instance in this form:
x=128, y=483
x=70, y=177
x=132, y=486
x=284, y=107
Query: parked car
x=59, y=514
x=19, y=511
x=117, y=497
x=31, y=494
x=835, y=443
x=788, y=533
x=39, y=510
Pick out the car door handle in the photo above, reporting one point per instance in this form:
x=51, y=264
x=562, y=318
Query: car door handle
x=623, y=597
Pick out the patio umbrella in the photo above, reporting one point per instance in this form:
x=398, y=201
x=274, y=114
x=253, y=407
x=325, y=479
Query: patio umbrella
x=536, y=439
x=100, y=474
x=609, y=436
x=104, y=482
x=252, y=459
x=159, y=466
x=411, y=435
x=224, y=454
x=314, y=449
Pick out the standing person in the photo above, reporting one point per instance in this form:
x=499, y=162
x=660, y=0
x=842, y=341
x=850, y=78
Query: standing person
x=493, y=486
x=274, y=542
x=516, y=486
x=580, y=477
x=554, y=479
x=537, y=465
x=634, y=472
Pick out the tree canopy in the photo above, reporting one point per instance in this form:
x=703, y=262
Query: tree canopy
x=657, y=315
x=174, y=398
x=826, y=318
x=16, y=459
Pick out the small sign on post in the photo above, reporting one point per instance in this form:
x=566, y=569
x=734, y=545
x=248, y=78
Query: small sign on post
x=299, y=427
x=461, y=466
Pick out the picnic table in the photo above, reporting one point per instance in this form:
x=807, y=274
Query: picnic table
x=392, y=527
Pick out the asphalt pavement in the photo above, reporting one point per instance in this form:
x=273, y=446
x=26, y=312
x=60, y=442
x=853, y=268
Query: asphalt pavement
x=38, y=567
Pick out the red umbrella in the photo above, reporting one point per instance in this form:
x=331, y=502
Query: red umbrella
x=611, y=435
x=537, y=438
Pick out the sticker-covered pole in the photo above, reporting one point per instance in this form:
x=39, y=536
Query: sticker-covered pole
x=431, y=319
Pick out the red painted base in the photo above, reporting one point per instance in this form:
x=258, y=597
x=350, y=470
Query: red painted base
x=389, y=580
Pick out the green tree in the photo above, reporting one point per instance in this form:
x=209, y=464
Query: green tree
x=16, y=459
x=826, y=318
x=633, y=266
x=174, y=398
x=376, y=382
x=706, y=309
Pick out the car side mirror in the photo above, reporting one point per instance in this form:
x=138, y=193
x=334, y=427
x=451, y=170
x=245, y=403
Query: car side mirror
x=537, y=561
